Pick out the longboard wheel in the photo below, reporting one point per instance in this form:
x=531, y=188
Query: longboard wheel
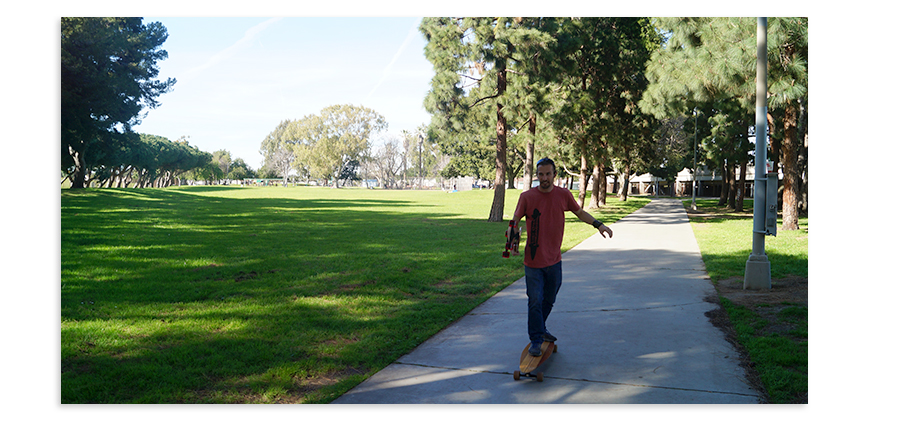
x=516, y=375
x=540, y=377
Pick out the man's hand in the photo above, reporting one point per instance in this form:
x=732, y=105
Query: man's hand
x=604, y=229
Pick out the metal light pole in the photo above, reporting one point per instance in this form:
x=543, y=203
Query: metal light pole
x=694, y=179
x=421, y=141
x=758, y=274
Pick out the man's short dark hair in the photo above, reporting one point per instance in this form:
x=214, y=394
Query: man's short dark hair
x=546, y=161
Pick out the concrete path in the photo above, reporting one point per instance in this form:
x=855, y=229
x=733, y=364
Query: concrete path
x=630, y=322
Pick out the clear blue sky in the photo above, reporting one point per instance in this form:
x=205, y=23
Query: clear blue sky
x=239, y=77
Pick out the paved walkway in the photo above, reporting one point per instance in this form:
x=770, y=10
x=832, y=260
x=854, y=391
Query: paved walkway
x=630, y=322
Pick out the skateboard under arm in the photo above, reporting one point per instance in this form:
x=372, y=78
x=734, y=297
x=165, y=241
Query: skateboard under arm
x=513, y=235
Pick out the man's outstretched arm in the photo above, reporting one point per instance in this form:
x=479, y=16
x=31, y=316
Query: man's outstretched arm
x=589, y=219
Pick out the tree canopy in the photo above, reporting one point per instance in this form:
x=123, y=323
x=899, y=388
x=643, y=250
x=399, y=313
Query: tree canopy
x=108, y=71
x=328, y=146
x=583, y=76
x=709, y=64
x=473, y=58
x=613, y=95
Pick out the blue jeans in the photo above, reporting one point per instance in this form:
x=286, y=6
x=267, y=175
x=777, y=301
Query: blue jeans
x=541, y=285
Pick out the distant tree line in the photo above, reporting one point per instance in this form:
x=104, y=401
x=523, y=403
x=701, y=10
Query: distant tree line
x=147, y=161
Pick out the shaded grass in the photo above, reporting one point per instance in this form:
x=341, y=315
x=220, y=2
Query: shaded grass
x=246, y=295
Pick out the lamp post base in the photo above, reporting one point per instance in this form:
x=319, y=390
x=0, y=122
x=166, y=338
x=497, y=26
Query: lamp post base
x=758, y=273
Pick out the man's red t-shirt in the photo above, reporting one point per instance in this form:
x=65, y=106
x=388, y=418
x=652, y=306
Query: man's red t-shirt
x=545, y=219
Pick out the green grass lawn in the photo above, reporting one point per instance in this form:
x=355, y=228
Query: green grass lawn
x=266, y=295
x=774, y=335
x=726, y=239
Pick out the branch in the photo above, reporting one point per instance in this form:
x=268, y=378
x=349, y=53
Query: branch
x=469, y=77
x=483, y=99
x=522, y=127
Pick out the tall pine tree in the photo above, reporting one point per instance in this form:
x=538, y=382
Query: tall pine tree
x=472, y=58
x=600, y=68
x=713, y=61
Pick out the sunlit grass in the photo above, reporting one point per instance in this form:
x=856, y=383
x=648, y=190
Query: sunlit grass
x=726, y=240
x=225, y=294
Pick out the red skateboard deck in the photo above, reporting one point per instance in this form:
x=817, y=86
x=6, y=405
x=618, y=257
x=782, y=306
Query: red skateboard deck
x=513, y=235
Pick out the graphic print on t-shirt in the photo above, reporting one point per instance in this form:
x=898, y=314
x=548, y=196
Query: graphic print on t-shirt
x=533, y=234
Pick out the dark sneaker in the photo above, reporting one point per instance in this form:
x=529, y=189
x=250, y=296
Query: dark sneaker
x=549, y=337
x=535, y=349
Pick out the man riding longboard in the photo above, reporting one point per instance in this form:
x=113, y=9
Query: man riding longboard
x=544, y=210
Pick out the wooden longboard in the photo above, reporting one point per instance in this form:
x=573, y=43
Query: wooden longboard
x=528, y=363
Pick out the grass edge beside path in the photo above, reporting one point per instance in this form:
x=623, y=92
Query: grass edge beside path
x=769, y=328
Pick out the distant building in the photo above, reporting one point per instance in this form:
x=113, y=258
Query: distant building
x=709, y=183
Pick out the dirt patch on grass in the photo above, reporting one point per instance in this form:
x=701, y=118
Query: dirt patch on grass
x=790, y=289
x=244, y=391
x=303, y=387
x=787, y=297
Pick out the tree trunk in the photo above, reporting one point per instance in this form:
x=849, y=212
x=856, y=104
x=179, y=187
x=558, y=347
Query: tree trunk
x=511, y=172
x=723, y=195
x=790, y=150
x=602, y=179
x=139, y=184
x=732, y=186
x=496, y=214
x=78, y=175
x=582, y=177
x=804, y=205
x=120, y=173
x=742, y=181
x=623, y=191
x=125, y=177
x=774, y=150
x=529, y=152
x=595, y=188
